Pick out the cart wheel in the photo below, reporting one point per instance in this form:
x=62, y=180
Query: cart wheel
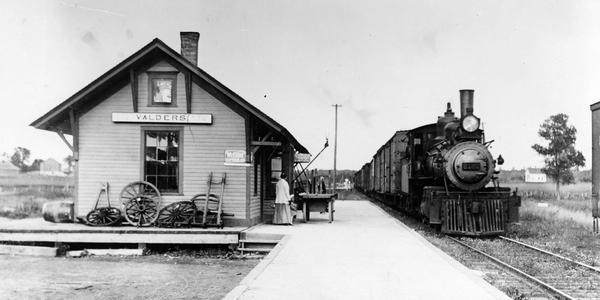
x=330, y=211
x=178, y=213
x=103, y=216
x=141, y=201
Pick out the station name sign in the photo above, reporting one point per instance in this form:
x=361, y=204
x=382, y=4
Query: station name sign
x=162, y=118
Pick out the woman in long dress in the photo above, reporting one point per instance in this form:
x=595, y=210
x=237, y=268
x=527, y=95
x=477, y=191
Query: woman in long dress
x=283, y=214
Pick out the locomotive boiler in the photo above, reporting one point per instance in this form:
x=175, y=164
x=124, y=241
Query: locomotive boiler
x=445, y=173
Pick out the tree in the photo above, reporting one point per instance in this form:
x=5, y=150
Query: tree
x=35, y=165
x=70, y=161
x=20, y=158
x=560, y=154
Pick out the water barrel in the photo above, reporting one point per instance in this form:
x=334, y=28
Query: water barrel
x=58, y=211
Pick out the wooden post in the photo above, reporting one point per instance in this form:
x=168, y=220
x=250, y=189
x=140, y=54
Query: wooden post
x=134, y=94
x=188, y=91
x=595, y=108
x=75, y=133
x=287, y=163
x=335, y=149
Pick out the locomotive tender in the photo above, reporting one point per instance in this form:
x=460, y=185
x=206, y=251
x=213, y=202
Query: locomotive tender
x=444, y=173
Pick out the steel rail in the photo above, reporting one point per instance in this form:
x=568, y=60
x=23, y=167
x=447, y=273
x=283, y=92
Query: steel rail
x=519, y=272
x=552, y=254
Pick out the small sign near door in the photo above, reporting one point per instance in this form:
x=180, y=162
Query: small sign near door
x=301, y=157
x=236, y=158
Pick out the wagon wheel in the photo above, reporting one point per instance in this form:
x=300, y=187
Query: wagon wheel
x=141, y=201
x=330, y=208
x=103, y=216
x=177, y=213
x=141, y=212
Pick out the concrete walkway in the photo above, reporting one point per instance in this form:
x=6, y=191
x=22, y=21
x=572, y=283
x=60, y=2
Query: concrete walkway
x=363, y=254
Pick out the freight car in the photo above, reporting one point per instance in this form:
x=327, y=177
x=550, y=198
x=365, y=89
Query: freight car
x=444, y=173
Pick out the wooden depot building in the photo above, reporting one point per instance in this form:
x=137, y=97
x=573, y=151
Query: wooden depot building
x=158, y=117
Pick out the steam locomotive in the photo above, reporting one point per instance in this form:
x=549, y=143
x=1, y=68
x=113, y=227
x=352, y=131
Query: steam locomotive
x=445, y=174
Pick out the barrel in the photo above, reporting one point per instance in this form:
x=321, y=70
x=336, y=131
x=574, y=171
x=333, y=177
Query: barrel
x=58, y=211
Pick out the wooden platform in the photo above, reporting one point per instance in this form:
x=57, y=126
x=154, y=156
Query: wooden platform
x=38, y=230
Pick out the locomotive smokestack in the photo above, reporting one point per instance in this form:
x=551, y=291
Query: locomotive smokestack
x=466, y=102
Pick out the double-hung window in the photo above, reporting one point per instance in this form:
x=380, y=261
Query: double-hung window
x=162, y=159
x=162, y=89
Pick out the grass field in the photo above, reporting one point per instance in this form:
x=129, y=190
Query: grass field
x=28, y=204
x=574, y=197
x=23, y=195
x=539, y=200
x=563, y=226
x=580, y=187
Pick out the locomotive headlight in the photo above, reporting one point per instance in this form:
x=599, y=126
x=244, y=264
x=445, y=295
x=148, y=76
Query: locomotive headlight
x=470, y=123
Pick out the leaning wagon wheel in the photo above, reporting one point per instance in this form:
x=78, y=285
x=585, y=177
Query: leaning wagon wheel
x=175, y=214
x=141, y=201
x=103, y=216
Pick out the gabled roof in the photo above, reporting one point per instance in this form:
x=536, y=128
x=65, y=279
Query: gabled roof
x=424, y=127
x=58, y=117
x=534, y=170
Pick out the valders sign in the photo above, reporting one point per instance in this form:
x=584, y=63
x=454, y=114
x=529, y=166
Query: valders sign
x=162, y=118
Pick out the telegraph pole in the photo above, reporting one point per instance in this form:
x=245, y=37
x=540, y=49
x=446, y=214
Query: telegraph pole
x=335, y=150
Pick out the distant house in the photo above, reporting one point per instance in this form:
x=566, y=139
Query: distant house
x=50, y=167
x=534, y=175
x=7, y=169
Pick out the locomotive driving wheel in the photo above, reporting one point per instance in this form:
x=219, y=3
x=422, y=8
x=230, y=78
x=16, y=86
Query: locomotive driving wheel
x=176, y=214
x=141, y=201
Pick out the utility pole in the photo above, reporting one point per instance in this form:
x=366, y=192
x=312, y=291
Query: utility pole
x=335, y=150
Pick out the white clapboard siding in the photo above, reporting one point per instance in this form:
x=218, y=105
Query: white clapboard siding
x=162, y=66
x=111, y=152
x=108, y=152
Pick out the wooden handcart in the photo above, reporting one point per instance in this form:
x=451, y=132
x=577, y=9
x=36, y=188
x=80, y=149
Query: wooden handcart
x=322, y=203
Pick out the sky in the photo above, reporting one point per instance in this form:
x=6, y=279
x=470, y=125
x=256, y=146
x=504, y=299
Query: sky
x=392, y=65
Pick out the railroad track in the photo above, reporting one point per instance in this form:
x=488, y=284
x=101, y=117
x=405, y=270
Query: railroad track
x=559, y=276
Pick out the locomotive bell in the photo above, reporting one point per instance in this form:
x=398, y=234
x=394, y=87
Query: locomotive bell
x=500, y=160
